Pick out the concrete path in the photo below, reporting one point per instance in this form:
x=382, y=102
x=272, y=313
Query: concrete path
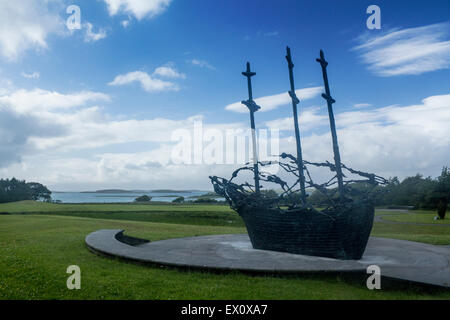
x=397, y=259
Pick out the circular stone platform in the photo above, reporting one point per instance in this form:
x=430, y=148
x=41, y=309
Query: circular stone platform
x=398, y=259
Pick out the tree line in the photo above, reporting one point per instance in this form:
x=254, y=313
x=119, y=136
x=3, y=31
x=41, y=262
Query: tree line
x=417, y=191
x=12, y=190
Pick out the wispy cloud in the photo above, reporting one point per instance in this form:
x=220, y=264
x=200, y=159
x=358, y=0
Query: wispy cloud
x=91, y=36
x=139, y=8
x=168, y=71
x=269, y=103
x=201, y=64
x=148, y=83
x=361, y=105
x=409, y=51
x=152, y=83
x=262, y=34
x=39, y=100
x=34, y=75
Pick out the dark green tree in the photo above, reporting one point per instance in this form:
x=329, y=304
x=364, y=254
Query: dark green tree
x=441, y=192
x=39, y=191
x=144, y=198
x=12, y=190
x=178, y=200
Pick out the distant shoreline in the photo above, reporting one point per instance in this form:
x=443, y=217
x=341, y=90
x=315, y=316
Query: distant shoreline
x=124, y=196
x=134, y=191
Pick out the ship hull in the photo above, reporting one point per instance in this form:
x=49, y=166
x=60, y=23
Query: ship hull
x=340, y=233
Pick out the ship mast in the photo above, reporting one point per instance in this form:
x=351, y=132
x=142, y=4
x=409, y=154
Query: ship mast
x=330, y=101
x=253, y=107
x=295, y=102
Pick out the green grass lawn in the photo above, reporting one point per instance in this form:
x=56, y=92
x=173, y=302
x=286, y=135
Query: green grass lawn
x=427, y=234
x=195, y=214
x=33, y=206
x=36, y=249
x=417, y=217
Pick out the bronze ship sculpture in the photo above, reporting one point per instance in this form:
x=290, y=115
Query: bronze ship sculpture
x=288, y=223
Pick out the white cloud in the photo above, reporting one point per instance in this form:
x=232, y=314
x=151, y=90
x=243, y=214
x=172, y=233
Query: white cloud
x=26, y=25
x=139, y=8
x=269, y=103
x=390, y=141
x=6, y=86
x=91, y=36
x=59, y=139
x=151, y=83
x=308, y=119
x=409, y=51
x=201, y=64
x=125, y=23
x=65, y=141
x=38, y=100
x=168, y=72
x=148, y=83
x=27, y=115
x=63, y=147
x=361, y=105
x=34, y=75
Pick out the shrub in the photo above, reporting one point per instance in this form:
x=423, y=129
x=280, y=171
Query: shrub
x=178, y=200
x=206, y=200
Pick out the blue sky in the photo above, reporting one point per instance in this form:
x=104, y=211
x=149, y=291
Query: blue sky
x=71, y=99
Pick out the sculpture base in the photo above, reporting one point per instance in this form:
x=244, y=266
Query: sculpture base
x=398, y=259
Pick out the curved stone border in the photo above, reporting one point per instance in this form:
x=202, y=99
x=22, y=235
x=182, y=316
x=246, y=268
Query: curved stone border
x=397, y=259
